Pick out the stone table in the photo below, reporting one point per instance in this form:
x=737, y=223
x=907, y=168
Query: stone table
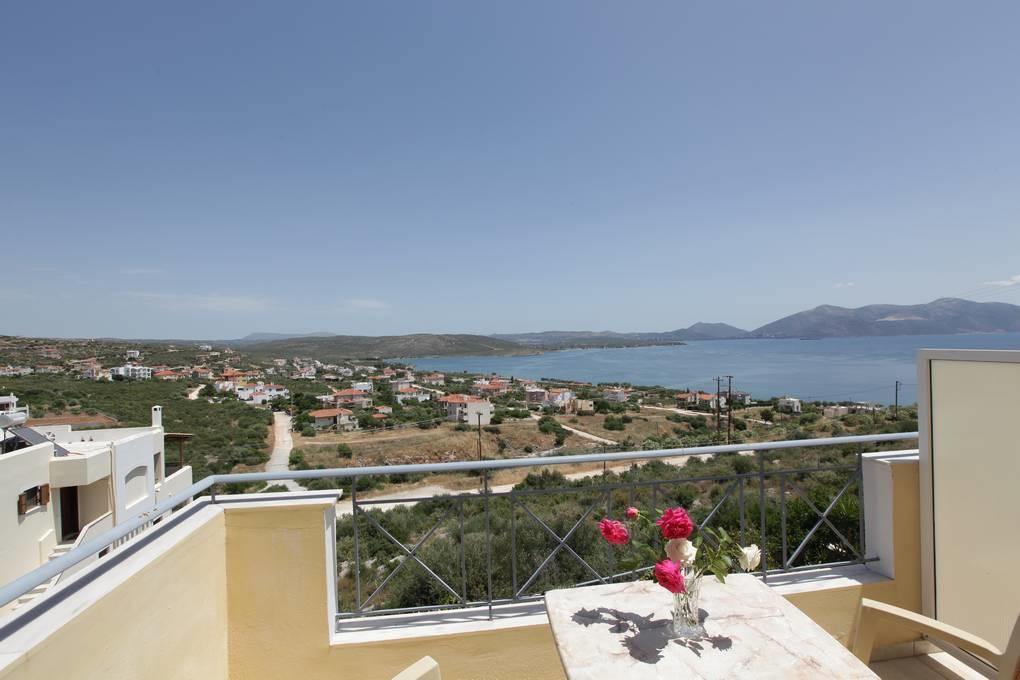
x=622, y=630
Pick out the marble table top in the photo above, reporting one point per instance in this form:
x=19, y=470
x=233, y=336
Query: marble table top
x=622, y=630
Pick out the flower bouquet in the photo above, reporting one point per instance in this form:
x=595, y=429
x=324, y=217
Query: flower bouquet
x=689, y=551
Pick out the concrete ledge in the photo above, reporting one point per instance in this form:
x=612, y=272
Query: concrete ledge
x=252, y=501
x=440, y=623
x=815, y=580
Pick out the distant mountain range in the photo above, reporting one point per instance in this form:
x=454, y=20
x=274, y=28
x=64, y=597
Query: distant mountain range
x=341, y=347
x=583, y=339
x=941, y=317
x=265, y=337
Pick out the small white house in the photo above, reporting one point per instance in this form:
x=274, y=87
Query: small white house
x=618, y=395
x=411, y=394
x=467, y=408
x=334, y=418
x=788, y=405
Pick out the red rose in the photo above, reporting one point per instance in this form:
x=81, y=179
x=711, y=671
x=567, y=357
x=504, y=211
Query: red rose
x=675, y=523
x=669, y=576
x=614, y=532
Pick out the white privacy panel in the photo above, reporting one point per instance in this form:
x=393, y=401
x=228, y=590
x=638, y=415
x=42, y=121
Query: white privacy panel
x=971, y=462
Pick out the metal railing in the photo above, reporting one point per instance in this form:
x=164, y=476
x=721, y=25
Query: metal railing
x=123, y=531
x=763, y=485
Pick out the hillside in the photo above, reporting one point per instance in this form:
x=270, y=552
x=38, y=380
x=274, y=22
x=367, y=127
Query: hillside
x=582, y=339
x=943, y=316
x=340, y=347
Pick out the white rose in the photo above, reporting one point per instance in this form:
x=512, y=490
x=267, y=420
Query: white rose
x=681, y=551
x=750, y=557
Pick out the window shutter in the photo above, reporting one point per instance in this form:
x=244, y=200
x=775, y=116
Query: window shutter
x=22, y=504
x=44, y=494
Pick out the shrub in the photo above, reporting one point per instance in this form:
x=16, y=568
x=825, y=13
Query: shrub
x=344, y=451
x=613, y=423
x=491, y=429
x=307, y=431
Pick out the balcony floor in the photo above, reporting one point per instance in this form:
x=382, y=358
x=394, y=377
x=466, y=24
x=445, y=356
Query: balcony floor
x=937, y=666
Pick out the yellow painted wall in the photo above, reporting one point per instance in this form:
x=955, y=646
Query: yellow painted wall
x=835, y=609
x=167, y=621
x=278, y=609
x=246, y=596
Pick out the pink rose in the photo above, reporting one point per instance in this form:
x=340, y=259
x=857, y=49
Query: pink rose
x=675, y=523
x=669, y=576
x=614, y=532
x=632, y=513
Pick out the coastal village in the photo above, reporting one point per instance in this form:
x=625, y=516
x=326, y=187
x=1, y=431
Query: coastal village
x=386, y=412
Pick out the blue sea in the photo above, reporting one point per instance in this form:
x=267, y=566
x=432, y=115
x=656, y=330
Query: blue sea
x=832, y=369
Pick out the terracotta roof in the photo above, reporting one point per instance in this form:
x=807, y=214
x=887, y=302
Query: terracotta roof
x=349, y=393
x=459, y=399
x=330, y=413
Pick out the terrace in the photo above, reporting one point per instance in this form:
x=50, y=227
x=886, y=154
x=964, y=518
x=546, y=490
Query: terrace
x=308, y=585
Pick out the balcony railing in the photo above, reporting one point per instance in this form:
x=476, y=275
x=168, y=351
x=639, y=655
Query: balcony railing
x=499, y=548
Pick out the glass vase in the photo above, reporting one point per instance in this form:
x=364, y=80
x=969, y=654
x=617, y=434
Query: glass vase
x=686, y=615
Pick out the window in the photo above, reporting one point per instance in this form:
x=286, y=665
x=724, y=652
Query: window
x=33, y=498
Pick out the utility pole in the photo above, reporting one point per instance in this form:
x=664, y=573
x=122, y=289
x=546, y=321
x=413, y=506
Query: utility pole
x=896, y=406
x=718, y=393
x=729, y=408
x=479, y=437
x=480, y=471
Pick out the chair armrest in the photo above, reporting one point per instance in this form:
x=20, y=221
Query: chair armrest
x=873, y=611
x=424, y=668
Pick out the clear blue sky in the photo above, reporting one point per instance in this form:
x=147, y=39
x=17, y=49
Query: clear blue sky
x=207, y=169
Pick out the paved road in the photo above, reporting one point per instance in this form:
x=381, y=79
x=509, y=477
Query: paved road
x=193, y=393
x=279, y=459
x=581, y=433
x=343, y=507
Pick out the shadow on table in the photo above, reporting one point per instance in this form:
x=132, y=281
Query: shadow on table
x=645, y=637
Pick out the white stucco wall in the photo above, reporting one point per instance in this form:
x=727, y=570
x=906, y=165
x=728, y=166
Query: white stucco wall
x=25, y=540
x=128, y=454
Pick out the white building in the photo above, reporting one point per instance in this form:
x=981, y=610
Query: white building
x=467, y=408
x=363, y=386
x=788, y=405
x=399, y=384
x=9, y=404
x=132, y=372
x=411, y=394
x=261, y=393
x=62, y=487
x=132, y=354
x=560, y=398
x=618, y=395
x=334, y=418
x=835, y=411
